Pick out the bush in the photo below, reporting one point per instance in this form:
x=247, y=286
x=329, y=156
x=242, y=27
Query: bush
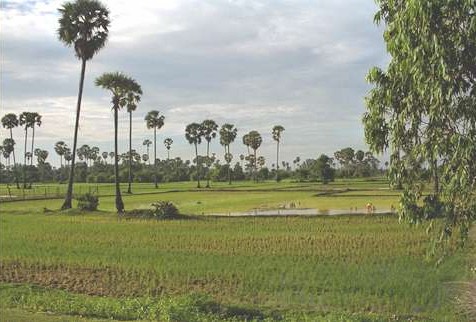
x=88, y=202
x=164, y=210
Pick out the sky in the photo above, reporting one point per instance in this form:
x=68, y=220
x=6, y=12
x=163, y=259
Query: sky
x=255, y=64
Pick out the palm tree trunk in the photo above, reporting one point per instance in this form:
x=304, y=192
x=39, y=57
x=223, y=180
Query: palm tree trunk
x=208, y=165
x=148, y=155
x=155, y=158
x=32, y=143
x=69, y=192
x=229, y=170
x=277, y=161
x=14, y=161
x=119, y=202
x=24, y=158
x=129, y=189
x=254, y=167
x=198, y=166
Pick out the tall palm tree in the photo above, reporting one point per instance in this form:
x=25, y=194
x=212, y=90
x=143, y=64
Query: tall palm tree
x=276, y=132
x=10, y=121
x=60, y=149
x=209, y=131
x=155, y=121
x=168, y=144
x=255, y=141
x=27, y=119
x=83, y=25
x=228, y=134
x=193, y=134
x=147, y=143
x=35, y=120
x=120, y=87
x=132, y=101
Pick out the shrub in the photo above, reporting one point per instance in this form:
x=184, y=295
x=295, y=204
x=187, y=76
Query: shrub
x=164, y=209
x=88, y=202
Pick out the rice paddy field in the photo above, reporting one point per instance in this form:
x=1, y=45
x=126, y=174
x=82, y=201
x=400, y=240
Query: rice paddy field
x=78, y=266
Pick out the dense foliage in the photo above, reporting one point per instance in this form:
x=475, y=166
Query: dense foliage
x=422, y=107
x=94, y=168
x=88, y=202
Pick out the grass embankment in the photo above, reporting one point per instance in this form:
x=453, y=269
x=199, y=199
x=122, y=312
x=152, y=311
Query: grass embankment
x=347, y=267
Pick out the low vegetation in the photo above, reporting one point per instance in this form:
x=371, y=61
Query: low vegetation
x=293, y=268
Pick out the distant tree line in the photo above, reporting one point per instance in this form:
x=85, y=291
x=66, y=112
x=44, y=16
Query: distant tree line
x=95, y=166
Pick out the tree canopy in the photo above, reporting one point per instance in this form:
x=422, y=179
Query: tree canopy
x=422, y=108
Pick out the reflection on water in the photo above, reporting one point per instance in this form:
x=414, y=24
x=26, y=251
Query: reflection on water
x=300, y=212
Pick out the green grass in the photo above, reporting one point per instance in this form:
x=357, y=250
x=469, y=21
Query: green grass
x=343, y=268
x=243, y=196
x=350, y=264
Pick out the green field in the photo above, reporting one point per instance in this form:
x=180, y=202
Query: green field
x=203, y=268
x=223, y=198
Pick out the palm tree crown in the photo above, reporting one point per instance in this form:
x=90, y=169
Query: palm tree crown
x=209, y=130
x=84, y=25
x=121, y=87
x=193, y=133
x=154, y=120
x=168, y=143
x=9, y=121
x=277, y=130
x=255, y=140
x=228, y=134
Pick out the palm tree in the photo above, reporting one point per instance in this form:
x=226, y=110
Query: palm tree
x=27, y=119
x=35, y=120
x=132, y=100
x=112, y=155
x=255, y=141
x=209, y=131
x=93, y=155
x=120, y=86
x=67, y=155
x=60, y=149
x=104, y=156
x=168, y=143
x=155, y=121
x=41, y=155
x=7, y=148
x=246, y=141
x=147, y=143
x=193, y=134
x=83, y=25
x=9, y=121
x=145, y=157
x=228, y=134
x=277, y=130
x=84, y=152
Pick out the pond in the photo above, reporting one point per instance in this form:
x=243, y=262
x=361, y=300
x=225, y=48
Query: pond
x=301, y=212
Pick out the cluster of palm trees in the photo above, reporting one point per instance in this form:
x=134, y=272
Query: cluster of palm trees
x=208, y=129
x=27, y=120
x=84, y=25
